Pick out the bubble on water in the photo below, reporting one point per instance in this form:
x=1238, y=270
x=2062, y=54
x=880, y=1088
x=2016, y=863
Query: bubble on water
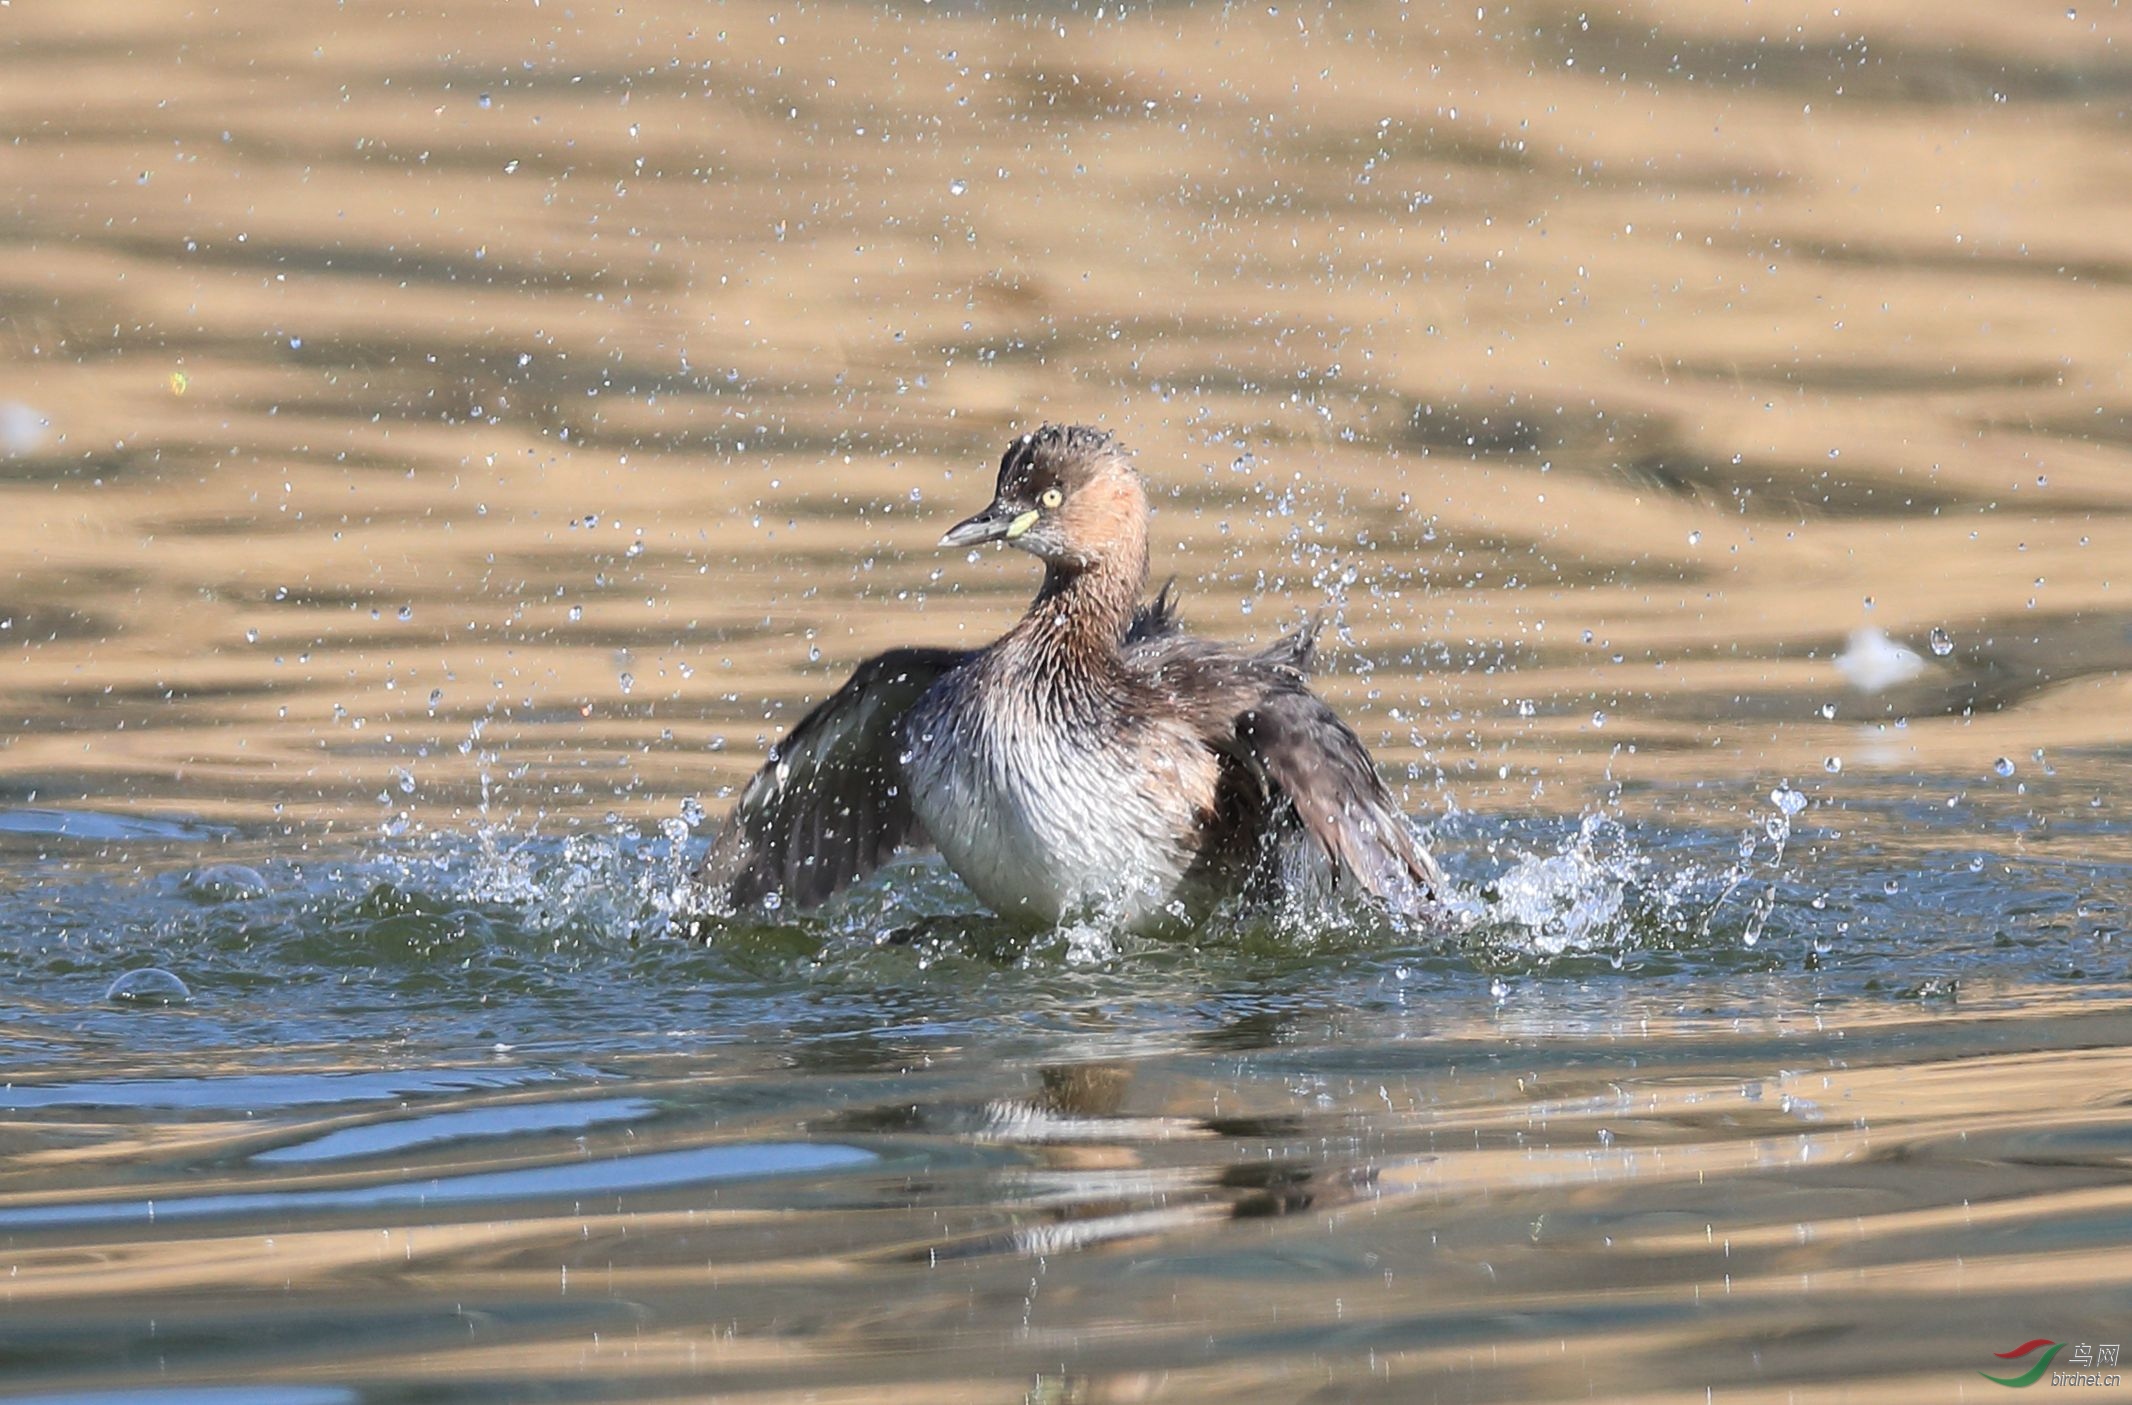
x=2004, y=766
x=223, y=882
x=1833, y=764
x=1790, y=801
x=1942, y=642
x=150, y=985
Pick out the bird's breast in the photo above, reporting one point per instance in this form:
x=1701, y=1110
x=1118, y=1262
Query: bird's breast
x=1042, y=820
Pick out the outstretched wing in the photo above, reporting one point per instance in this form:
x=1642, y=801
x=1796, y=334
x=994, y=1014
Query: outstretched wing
x=1287, y=742
x=1293, y=737
x=829, y=806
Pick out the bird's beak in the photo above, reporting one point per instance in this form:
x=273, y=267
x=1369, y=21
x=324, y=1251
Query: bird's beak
x=997, y=523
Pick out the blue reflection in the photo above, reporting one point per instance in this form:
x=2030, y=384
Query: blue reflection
x=267, y=1090
x=378, y=1138
x=608, y=1176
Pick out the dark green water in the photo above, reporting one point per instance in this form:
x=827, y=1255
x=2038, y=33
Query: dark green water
x=463, y=1119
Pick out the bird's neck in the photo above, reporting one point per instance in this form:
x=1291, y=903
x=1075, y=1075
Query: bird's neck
x=1082, y=611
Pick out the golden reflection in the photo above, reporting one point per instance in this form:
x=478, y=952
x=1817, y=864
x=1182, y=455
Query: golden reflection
x=667, y=356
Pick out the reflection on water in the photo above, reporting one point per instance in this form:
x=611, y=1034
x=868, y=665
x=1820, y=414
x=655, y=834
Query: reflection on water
x=446, y=448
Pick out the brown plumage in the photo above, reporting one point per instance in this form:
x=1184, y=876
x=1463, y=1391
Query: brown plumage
x=1093, y=760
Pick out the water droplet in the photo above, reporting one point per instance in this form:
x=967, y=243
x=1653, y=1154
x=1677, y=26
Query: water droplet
x=407, y=612
x=577, y=612
x=251, y=636
x=692, y=810
x=1828, y=712
x=1942, y=642
x=958, y=187
x=628, y=681
x=1790, y=801
x=1833, y=765
x=487, y=102
x=1598, y=719
x=1695, y=538
x=2004, y=766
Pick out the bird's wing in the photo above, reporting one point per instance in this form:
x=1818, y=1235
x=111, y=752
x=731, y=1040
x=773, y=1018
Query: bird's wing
x=1257, y=711
x=829, y=806
x=1306, y=753
x=1156, y=619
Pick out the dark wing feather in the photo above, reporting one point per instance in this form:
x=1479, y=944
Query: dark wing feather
x=1321, y=766
x=1156, y=619
x=1256, y=710
x=829, y=805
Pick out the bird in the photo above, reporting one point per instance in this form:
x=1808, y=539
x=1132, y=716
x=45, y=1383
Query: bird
x=1094, y=762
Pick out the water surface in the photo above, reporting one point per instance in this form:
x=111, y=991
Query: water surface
x=445, y=449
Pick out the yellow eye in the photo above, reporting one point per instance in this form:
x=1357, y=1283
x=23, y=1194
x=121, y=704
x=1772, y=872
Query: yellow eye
x=1053, y=497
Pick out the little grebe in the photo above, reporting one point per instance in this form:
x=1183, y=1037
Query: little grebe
x=1093, y=760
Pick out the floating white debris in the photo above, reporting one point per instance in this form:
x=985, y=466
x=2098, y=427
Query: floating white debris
x=1873, y=662
x=22, y=429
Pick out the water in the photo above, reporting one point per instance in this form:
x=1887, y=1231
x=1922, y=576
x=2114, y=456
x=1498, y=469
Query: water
x=444, y=450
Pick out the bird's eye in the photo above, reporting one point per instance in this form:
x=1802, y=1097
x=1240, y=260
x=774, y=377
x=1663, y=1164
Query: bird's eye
x=1052, y=497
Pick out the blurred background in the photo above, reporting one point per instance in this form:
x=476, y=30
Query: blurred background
x=597, y=379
